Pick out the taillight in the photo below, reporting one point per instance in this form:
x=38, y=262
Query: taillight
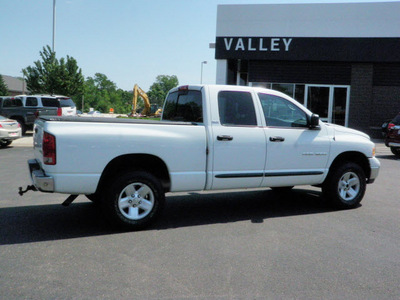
x=390, y=126
x=59, y=111
x=36, y=114
x=49, y=149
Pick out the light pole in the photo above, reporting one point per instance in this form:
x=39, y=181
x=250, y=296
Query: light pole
x=54, y=23
x=201, y=75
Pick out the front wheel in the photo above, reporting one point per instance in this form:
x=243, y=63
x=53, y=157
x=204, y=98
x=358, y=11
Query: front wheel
x=395, y=151
x=345, y=186
x=134, y=200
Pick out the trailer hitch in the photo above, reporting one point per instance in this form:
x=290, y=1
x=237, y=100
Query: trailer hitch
x=28, y=188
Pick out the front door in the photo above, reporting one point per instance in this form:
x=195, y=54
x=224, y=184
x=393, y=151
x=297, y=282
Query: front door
x=330, y=102
x=296, y=154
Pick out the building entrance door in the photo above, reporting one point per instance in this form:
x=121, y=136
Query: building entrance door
x=330, y=102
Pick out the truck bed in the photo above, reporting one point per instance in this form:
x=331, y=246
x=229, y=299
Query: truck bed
x=113, y=120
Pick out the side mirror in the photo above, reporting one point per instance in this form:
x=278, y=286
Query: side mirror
x=314, y=121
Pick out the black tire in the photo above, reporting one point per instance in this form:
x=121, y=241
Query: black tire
x=345, y=186
x=22, y=125
x=395, y=151
x=4, y=144
x=133, y=200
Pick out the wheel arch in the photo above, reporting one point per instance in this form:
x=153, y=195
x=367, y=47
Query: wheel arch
x=136, y=162
x=352, y=156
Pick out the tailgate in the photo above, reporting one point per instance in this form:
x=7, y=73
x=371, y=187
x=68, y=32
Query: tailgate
x=48, y=111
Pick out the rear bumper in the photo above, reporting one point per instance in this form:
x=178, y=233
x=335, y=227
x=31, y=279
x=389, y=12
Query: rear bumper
x=39, y=179
x=375, y=166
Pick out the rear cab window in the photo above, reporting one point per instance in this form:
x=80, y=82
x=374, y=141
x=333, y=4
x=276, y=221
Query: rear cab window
x=236, y=109
x=185, y=106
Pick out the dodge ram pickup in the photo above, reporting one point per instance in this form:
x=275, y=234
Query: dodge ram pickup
x=210, y=137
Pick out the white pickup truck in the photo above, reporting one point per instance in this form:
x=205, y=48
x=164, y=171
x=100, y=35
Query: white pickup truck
x=211, y=137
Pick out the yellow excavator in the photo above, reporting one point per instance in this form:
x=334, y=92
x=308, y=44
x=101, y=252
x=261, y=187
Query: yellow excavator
x=149, y=109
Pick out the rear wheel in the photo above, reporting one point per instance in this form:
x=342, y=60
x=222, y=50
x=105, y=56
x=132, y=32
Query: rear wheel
x=345, y=186
x=4, y=144
x=134, y=200
x=395, y=151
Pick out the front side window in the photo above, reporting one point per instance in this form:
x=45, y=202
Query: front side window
x=236, y=109
x=279, y=112
x=185, y=106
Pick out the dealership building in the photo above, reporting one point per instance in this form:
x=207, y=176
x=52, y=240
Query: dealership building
x=341, y=60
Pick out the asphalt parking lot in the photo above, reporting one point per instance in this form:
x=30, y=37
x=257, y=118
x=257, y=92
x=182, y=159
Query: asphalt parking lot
x=253, y=244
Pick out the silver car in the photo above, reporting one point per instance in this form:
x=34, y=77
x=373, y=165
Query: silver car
x=9, y=130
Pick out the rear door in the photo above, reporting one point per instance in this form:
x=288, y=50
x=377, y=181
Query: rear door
x=239, y=146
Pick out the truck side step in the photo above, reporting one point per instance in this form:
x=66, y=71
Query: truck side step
x=69, y=200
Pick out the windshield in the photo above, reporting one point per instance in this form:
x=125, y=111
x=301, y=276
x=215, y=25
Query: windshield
x=396, y=120
x=2, y=118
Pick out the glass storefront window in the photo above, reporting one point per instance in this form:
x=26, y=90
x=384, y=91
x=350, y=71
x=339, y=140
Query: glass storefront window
x=285, y=88
x=299, y=93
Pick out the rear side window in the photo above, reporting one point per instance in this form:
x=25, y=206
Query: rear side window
x=184, y=106
x=236, y=108
x=31, y=101
x=50, y=102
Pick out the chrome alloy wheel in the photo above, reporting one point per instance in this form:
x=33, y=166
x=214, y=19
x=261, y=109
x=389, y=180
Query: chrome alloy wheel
x=136, y=201
x=349, y=186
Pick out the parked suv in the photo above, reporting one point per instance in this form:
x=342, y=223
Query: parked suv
x=64, y=105
x=26, y=108
x=393, y=136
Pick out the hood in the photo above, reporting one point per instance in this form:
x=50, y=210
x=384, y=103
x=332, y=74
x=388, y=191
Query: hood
x=346, y=130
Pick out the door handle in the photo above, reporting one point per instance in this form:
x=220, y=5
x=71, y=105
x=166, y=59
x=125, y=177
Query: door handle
x=276, y=139
x=224, y=138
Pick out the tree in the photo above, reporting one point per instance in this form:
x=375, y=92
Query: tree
x=159, y=89
x=53, y=76
x=3, y=87
x=102, y=94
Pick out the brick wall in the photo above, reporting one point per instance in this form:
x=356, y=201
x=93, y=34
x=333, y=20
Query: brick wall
x=361, y=95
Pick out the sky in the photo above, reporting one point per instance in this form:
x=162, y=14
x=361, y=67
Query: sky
x=130, y=41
